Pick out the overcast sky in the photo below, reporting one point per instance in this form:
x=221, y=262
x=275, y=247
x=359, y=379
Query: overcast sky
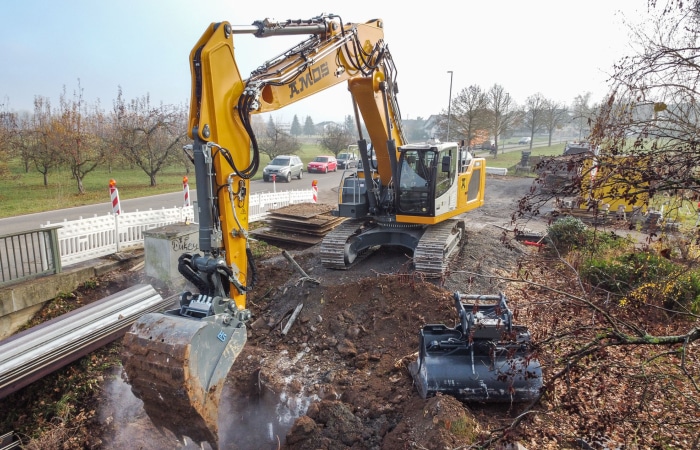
x=558, y=48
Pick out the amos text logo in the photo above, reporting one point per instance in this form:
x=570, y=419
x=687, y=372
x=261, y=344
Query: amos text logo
x=308, y=79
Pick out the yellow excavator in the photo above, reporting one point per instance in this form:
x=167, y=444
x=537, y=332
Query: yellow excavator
x=406, y=194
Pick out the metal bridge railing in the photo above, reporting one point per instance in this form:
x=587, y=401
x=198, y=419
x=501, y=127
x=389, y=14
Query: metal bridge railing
x=28, y=254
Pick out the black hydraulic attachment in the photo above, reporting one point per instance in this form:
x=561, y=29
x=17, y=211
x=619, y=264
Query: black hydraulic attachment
x=484, y=358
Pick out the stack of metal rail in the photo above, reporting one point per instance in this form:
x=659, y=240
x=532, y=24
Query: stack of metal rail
x=38, y=351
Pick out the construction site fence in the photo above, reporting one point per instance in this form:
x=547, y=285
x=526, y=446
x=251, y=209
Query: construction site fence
x=47, y=250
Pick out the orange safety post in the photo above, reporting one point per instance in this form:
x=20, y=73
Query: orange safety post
x=186, y=191
x=114, y=195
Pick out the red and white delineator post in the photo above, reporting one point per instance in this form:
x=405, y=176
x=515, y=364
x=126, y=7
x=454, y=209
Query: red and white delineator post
x=186, y=192
x=114, y=195
x=314, y=188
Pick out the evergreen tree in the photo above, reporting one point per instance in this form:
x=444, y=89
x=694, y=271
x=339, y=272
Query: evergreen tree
x=296, y=127
x=349, y=124
x=309, y=127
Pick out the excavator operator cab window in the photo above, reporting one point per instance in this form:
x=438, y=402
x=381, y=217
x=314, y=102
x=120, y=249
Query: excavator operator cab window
x=446, y=174
x=417, y=180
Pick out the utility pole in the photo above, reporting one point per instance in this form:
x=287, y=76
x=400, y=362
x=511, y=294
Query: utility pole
x=449, y=108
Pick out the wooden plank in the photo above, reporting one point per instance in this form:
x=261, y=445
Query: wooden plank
x=293, y=238
x=321, y=220
x=303, y=210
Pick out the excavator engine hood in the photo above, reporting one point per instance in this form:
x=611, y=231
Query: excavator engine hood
x=482, y=359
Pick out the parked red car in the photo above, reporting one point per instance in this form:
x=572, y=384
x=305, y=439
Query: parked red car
x=323, y=164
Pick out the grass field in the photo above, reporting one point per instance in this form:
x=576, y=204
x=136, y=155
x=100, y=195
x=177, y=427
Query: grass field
x=24, y=193
x=511, y=157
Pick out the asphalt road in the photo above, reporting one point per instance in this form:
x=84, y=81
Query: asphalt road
x=327, y=193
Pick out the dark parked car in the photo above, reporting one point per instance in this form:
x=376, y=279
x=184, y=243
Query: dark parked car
x=284, y=168
x=347, y=160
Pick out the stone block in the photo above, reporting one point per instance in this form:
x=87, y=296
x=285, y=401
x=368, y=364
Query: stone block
x=162, y=248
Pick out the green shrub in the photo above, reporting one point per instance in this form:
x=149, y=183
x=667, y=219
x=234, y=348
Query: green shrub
x=566, y=234
x=645, y=278
x=609, y=274
x=684, y=292
x=570, y=233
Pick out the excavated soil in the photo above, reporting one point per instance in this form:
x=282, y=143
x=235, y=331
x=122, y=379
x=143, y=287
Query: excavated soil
x=335, y=376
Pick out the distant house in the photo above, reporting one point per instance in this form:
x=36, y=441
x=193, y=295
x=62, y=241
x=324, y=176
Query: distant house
x=323, y=126
x=415, y=130
x=431, y=128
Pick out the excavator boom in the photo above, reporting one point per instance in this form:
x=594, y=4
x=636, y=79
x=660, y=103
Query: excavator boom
x=177, y=361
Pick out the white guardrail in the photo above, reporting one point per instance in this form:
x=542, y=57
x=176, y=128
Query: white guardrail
x=88, y=238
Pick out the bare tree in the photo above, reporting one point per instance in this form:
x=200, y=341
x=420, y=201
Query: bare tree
x=273, y=140
x=534, y=114
x=555, y=115
x=469, y=114
x=336, y=138
x=9, y=129
x=504, y=114
x=583, y=114
x=44, y=139
x=150, y=137
x=74, y=136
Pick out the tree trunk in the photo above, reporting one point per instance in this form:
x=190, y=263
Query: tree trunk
x=153, y=179
x=46, y=179
x=81, y=188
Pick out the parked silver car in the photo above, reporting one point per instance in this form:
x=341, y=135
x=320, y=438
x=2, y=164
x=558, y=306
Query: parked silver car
x=284, y=168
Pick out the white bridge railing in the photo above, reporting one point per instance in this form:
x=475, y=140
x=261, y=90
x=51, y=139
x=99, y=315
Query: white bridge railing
x=93, y=237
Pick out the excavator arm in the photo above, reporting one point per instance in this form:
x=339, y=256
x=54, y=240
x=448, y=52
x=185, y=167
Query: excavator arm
x=177, y=361
x=222, y=103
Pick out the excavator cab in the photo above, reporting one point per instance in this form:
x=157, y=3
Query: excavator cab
x=484, y=358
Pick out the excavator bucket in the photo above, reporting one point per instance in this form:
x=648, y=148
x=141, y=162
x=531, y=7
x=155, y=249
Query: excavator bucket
x=177, y=363
x=485, y=358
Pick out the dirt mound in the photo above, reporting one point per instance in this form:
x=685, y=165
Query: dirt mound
x=336, y=376
x=343, y=362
